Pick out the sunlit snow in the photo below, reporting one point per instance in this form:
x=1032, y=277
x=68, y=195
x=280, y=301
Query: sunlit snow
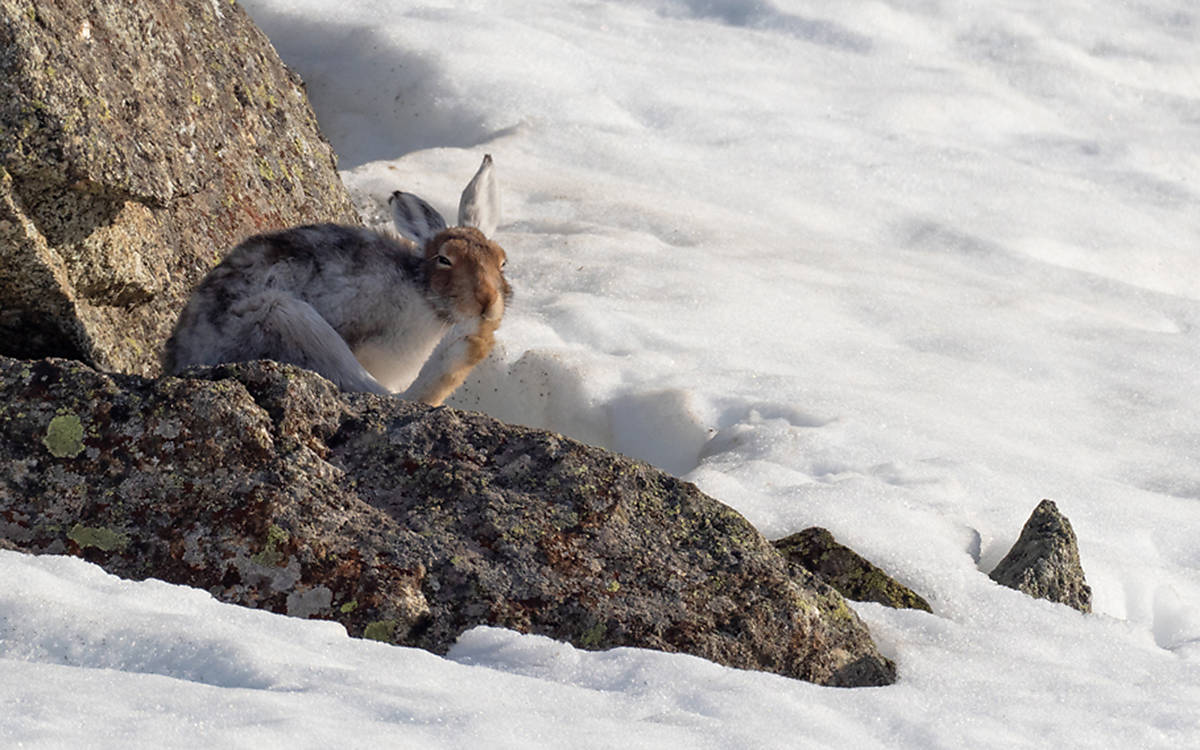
x=897, y=268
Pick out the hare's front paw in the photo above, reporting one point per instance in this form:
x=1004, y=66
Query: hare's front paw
x=450, y=363
x=480, y=343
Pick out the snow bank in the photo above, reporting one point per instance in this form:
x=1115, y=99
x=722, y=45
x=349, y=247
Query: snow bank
x=897, y=269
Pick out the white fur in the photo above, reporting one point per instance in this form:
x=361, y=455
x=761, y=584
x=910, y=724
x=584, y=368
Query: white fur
x=304, y=329
x=396, y=360
x=446, y=356
x=479, y=206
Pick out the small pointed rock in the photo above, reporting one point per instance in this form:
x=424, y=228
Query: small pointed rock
x=1044, y=562
x=854, y=577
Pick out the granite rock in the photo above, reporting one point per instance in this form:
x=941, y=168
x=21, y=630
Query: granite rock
x=138, y=143
x=266, y=486
x=1044, y=561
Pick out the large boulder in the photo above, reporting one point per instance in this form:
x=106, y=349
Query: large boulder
x=1044, y=561
x=266, y=486
x=138, y=142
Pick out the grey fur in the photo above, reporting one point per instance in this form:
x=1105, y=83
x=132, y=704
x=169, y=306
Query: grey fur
x=309, y=296
x=414, y=218
x=355, y=305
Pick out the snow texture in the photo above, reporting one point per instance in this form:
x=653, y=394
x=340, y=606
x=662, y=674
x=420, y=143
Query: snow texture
x=899, y=269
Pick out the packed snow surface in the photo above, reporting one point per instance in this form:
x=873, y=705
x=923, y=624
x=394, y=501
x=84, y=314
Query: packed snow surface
x=897, y=268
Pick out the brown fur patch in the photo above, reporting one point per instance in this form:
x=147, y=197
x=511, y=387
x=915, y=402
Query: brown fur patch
x=474, y=280
x=479, y=345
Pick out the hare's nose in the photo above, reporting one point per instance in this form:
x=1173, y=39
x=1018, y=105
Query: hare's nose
x=491, y=302
x=494, y=309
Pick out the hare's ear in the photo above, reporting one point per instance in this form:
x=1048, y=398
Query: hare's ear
x=414, y=218
x=480, y=203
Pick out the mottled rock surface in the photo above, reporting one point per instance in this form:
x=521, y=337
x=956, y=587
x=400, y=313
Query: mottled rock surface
x=1044, y=562
x=138, y=142
x=264, y=485
x=854, y=577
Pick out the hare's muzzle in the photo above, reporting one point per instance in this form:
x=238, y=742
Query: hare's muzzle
x=492, y=298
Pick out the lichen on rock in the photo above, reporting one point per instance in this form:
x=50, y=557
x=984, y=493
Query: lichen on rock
x=380, y=630
x=815, y=550
x=404, y=523
x=64, y=436
x=131, y=157
x=272, y=552
x=101, y=538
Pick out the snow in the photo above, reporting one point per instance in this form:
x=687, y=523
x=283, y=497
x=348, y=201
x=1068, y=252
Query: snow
x=897, y=268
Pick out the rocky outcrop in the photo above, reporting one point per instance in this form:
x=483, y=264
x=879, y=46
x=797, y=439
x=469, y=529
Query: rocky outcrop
x=1044, y=562
x=138, y=142
x=264, y=485
x=853, y=576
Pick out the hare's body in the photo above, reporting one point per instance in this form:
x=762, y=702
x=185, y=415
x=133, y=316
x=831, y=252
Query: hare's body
x=370, y=290
x=363, y=309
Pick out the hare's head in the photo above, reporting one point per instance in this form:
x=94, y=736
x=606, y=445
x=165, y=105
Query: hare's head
x=463, y=265
x=468, y=268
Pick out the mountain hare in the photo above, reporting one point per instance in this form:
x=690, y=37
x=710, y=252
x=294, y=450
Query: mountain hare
x=363, y=309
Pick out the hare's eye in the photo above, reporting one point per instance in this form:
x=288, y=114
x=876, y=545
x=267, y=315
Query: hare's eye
x=444, y=261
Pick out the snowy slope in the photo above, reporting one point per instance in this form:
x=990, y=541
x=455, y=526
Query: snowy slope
x=899, y=269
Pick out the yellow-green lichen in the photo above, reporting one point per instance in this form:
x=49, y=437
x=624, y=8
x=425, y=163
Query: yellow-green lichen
x=380, y=630
x=593, y=636
x=64, y=436
x=98, y=537
x=840, y=611
x=272, y=553
x=264, y=170
x=349, y=606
